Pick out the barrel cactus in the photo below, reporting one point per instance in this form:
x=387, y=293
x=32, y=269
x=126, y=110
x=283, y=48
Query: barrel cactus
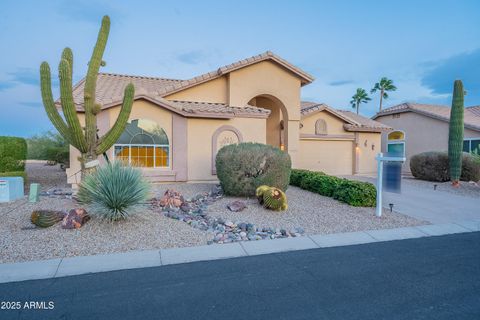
x=455, y=133
x=260, y=192
x=46, y=218
x=275, y=199
x=84, y=137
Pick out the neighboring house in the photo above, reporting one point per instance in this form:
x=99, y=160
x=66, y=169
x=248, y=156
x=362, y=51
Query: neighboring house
x=424, y=127
x=176, y=127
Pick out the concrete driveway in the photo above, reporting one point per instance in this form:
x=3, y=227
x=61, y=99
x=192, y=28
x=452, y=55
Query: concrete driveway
x=433, y=205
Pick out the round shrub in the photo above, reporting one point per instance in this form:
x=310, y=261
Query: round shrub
x=433, y=166
x=356, y=193
x=243, y=167
x=114, y=191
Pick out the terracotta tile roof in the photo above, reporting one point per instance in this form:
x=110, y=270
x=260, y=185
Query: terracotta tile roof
x=215, y=109
x=354, y=122
x=110, y=86
x=439, y=112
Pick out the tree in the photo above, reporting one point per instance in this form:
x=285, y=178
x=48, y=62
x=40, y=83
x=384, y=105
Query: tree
x=385, y=85
x=361, y=96
x=455, y=133
x=84, y=138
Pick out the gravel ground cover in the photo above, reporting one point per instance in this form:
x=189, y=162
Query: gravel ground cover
x=20, y=241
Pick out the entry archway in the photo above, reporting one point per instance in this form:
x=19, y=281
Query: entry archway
x=277, y=123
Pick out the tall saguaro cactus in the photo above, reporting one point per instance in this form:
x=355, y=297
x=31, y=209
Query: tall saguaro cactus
x=85, y=139
x=455, y=133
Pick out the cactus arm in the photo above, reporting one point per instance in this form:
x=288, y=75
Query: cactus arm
x=67, y=54
x=68, y=106
x=107, y=140
x=91, y=82
x=49, y=103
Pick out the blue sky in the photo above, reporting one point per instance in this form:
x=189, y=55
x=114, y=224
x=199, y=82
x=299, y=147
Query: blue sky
x=422, y=45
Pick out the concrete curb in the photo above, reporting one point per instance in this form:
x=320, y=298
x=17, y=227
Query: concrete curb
x=54, y=268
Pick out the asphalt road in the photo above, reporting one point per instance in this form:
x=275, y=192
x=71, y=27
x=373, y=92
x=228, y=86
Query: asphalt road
x=427, y=278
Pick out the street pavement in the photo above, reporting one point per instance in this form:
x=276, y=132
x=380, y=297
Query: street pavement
x=424, y=278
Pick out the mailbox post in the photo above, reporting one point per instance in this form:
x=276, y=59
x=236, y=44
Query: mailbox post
x=380, y=161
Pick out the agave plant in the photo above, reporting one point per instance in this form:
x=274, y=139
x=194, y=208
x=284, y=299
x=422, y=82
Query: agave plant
x=114, y=191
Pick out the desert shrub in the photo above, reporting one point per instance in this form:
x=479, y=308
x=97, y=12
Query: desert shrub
x=321, y=183
x=243, y=167
x=433, y=166
x=48, y=146
x=356, y=193
x=113, y=191
x=13, y=152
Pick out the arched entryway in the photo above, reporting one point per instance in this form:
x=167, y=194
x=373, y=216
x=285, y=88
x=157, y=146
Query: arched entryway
x=277, y=122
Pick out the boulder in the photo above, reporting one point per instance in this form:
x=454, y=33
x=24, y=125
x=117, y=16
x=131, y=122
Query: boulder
x=172, y=199
x=75, y=219
x=236, y=206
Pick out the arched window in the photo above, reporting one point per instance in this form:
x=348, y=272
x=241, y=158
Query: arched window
x=143, y=144
x=320, y=127
x=396, y=143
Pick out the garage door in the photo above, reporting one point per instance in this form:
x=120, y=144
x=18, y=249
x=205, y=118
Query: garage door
x=332, y=157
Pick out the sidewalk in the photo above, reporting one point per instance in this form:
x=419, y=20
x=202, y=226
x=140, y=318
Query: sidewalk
x=56, y=268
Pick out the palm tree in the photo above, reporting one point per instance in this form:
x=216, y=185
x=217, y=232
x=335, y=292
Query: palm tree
x=361, y=96
x=383, y=86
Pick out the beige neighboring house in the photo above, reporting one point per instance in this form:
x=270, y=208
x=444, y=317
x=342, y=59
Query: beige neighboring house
x=176, y=126
x=424, y=127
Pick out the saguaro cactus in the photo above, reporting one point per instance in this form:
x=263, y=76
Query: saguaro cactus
x=86, y=139
x=455, y=133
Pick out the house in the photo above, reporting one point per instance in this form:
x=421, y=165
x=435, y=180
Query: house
x=424, y=127
x=176, y=127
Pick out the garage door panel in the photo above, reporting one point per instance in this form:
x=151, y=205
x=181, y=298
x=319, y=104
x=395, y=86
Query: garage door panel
x=331, y=157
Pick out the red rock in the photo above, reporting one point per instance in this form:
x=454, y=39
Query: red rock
x=75, y=219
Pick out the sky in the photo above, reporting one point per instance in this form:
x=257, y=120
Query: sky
x=423, y=46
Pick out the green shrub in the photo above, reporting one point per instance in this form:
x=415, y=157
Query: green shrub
x=433, y=166
x=243, y=167
x=356, y=193
x=321, y=183
x=13, y=153
x=114, y=192
x=48, y=146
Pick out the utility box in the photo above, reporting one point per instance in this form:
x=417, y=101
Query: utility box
x=11, y=188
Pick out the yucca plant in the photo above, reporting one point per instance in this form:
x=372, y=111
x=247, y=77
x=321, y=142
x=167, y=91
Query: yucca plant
x=114, y=191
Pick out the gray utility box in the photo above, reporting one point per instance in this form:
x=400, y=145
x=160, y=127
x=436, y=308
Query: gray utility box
x=11, y=188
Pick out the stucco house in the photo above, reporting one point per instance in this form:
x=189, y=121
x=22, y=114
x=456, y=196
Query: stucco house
x=176, y=127
x=424, y=127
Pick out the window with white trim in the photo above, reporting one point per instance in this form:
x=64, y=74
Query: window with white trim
x=143, y=144
x=471, y=145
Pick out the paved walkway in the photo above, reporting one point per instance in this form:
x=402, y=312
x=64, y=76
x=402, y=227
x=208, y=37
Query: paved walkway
x=424, y=278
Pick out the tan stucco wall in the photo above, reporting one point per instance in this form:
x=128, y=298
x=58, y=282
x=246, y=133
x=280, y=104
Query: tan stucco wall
x=268, y=78
x=200, y=132
x=422, y=134
x=212, y=91
x=365, y=154
x=334, y=124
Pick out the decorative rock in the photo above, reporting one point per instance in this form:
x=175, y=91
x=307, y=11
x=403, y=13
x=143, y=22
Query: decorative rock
x=236, y=206
x=75, y=219
x=193, y=211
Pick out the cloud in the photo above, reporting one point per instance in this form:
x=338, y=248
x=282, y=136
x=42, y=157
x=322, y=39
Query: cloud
x=191, y=57
x=26, y=76
x=340, y=82
x=31, y=104
x=6, y=85
x=466, y=66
